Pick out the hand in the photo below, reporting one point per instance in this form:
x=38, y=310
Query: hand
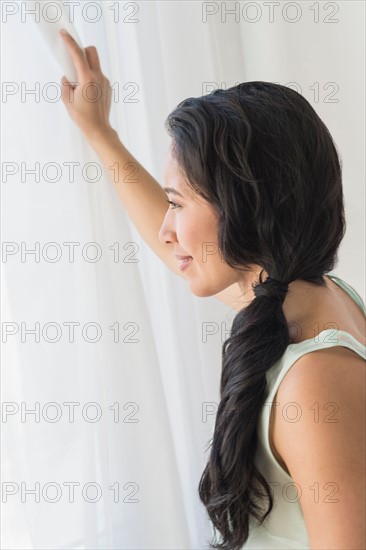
x=89, y=101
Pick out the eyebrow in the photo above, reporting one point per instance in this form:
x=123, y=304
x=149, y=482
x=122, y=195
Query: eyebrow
x=172, y=191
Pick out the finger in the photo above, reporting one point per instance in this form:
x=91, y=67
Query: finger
x=66, y=81
x=77, y=54
x=93, y=58
x=67, y=90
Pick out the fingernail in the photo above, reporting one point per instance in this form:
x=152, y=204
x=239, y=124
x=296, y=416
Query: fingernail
x=64, y=31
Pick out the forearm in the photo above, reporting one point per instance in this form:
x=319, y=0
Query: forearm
x=143, y=198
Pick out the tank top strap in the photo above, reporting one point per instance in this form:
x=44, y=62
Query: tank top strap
x=350, y=290
x=325, y=339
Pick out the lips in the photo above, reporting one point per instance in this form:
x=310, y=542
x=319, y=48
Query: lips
x=182, y=257
x=184, y=261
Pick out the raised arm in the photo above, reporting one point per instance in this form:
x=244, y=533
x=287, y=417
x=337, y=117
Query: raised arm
x=141, y=195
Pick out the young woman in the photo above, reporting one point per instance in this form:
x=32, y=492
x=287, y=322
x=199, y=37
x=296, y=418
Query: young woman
x=256, y=218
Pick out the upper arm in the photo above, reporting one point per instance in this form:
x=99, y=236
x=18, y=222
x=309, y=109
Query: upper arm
x=324, y=449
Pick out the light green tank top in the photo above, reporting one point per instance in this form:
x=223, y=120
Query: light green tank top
x=285, y=526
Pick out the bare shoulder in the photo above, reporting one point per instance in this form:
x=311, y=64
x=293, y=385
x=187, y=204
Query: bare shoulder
x=324, y=371
x=321, y=441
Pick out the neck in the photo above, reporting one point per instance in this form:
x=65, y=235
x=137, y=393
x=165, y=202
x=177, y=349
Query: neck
x=300, y=303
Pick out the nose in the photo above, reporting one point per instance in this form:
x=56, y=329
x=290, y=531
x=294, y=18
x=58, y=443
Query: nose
x=167, y=232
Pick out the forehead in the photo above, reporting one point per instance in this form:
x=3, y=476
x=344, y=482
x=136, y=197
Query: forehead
x=174, y=177
x=172, y=168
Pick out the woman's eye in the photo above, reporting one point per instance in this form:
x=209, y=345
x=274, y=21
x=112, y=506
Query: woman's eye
x=174, y=205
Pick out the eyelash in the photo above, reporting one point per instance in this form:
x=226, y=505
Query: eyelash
x=173, y=203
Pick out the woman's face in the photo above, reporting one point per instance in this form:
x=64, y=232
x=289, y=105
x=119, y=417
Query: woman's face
x=191, y=226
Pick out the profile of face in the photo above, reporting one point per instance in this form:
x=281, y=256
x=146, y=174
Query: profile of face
x=191, y=227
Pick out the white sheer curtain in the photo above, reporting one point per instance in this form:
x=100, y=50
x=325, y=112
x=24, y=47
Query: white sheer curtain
x=124, y=408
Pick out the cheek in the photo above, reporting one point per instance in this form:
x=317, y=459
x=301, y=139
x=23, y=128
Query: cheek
x=197, y=234
x=188, y=233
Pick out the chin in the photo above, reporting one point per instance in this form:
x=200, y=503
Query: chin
x=201, y=294
x=203, y=291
